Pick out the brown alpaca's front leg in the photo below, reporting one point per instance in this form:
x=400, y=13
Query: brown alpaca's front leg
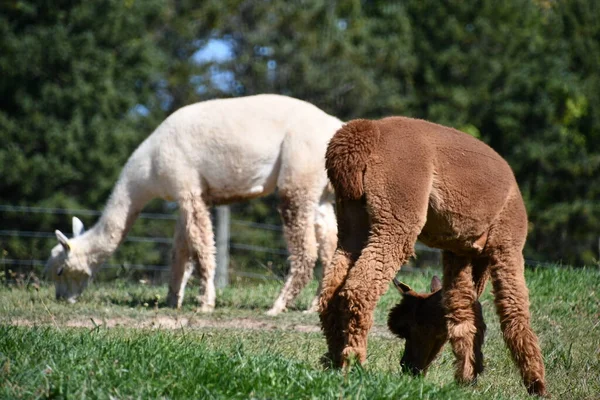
x=353, y=229
x=512, y=305
x=367, y=281
x=329, y=307
x=462, y=314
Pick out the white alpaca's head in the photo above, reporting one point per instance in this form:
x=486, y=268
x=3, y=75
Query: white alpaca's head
x=68, y=265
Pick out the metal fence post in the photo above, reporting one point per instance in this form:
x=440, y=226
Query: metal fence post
x=222, y=242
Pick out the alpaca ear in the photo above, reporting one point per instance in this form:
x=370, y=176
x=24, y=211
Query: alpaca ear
x=436, y=284
x=78, y=228
x=402, y=287
x=63, y=240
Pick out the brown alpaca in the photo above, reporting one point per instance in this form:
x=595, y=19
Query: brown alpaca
x=401, y=179
x=420, y=319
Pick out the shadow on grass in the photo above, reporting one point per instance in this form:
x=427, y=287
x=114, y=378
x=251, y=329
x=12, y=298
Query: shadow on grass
x=189, y=304
x=242, y=306
x=137, y=302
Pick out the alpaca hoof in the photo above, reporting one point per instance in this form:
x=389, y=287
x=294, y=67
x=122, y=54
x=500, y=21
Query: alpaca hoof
x=314, y=306
x=173, y=301
x=479, y=370
x=273, y=312
x=538, y=388
x=472, y=382
x=353, y=355
x=327, y=361
x=466, y=380
x=206, y=308
x=278, y=307
x=311, y=310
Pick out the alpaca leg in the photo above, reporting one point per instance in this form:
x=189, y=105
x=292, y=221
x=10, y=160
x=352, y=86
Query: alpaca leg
x=397, y=203
x=367, y=280
x=481, y=273
x=479, y=338
x=297, y=213
x=181, y=266
x=512, y=305
x=326, y=231
x=462, y=313
x=353, y=225
x=329, y=307
x=202, y=243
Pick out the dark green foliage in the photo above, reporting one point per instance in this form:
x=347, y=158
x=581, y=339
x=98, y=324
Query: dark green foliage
x=83, y=83
x=519, y=75
x=72, y=75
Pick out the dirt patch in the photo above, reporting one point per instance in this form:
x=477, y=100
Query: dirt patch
x=169, y=323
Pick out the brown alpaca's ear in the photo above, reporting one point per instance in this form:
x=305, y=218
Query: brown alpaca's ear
x=402, y=287
x=436, y=284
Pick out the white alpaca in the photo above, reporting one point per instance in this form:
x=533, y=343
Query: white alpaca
x=217, y=152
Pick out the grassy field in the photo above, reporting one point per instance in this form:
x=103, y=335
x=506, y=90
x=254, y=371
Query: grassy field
x=120, y=341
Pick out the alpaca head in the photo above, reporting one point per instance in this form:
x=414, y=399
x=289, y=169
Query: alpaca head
x=420, y=319
x=68, y=266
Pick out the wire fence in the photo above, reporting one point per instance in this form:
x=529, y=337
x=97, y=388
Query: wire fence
x=432, y=256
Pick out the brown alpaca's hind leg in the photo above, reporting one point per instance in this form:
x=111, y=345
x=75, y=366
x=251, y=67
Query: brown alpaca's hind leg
x=512, y=305
x=463, y=315
x=297, y=213
x=507, y=268
x=353, y=228
x=201, y=241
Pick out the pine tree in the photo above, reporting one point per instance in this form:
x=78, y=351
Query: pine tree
x=78, y=79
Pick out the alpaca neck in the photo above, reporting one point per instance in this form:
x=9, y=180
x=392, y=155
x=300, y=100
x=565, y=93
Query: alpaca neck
x=122, y=208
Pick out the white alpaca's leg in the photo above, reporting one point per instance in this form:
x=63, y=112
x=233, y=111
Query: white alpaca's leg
x=201, y=241
x=326, y=231
x=298, y=216
x=181, y=266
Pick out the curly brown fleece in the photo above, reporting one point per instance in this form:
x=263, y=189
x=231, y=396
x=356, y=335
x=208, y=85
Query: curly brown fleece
x=401, y=179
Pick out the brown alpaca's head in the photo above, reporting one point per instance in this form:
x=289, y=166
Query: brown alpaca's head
x=419, y=318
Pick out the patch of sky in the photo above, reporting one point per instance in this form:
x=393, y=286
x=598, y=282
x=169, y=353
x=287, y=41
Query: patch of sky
x=140, y=109
x=221, y=79
x=264, y=51
x=214, y=51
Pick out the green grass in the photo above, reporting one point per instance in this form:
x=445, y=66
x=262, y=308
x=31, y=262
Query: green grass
x=44, y=358
x=133, y=363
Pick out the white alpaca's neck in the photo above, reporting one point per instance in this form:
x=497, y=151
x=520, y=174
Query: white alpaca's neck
x=122, y=208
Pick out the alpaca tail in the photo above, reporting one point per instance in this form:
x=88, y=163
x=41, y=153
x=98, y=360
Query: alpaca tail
x=347, y=155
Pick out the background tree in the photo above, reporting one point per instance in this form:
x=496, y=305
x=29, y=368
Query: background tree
x=74, y=78
x=83, y=83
